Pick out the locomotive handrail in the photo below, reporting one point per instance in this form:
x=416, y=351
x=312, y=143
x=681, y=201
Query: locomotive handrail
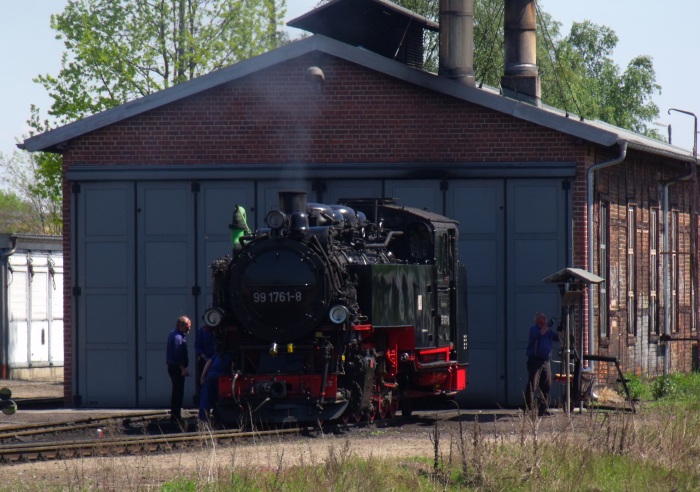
x=386, y=241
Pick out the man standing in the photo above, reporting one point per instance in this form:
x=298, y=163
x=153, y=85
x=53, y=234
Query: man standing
x=539, y=373
x=177, y=359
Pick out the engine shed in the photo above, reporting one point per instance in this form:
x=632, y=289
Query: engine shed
x=149, y=188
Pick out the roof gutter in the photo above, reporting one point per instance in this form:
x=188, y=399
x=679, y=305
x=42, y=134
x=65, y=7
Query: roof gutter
x=589, y=208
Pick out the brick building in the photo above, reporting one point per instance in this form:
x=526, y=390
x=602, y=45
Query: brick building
x=149, y=188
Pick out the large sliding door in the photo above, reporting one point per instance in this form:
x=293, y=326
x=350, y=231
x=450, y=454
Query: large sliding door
x=535, y=249
x=479, y=206
x=104, y=331
x=512, y=235
x=165, y=280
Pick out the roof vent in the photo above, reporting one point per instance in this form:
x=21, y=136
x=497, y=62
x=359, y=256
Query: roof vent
x=375, y=25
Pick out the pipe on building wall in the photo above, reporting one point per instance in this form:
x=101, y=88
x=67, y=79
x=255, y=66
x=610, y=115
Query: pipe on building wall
x=589, y=208
x=4, y=316
x=666, y=266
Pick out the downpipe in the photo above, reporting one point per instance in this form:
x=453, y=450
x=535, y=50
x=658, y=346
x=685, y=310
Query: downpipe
x=666, y=265
x=589, y=209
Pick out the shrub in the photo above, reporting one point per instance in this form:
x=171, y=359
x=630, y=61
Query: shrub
x=638, y=387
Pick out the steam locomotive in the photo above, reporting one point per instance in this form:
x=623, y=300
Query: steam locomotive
x=327, y=315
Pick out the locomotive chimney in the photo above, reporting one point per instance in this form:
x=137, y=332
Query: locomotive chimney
x=457, y=40
x=292, y=201
x=521, y=79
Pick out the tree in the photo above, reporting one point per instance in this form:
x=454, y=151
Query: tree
x=577, y=71
x=31, y=211
x=15, y=215
x=120, y=50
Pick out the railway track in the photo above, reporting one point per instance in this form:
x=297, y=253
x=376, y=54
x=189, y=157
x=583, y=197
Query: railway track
x=15, y=432
x=125, y=445
x=149, y=440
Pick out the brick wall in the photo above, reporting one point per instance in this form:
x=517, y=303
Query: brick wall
x=637, y=182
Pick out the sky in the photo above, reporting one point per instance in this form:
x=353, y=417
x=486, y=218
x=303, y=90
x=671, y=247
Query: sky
x=668, y=33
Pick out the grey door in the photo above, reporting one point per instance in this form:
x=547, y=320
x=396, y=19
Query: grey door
x=512, y=235
x=104, y=342
x=422, y=194
x=479, y=206
x=165, y=281
x=536, y=232
x=351, y=188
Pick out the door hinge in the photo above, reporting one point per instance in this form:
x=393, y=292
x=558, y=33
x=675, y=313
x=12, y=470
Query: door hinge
x=196, y=290
x=77, y=290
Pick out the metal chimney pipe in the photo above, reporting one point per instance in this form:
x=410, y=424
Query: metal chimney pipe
x=457, y=40
x=521, y=79
x=292, y=201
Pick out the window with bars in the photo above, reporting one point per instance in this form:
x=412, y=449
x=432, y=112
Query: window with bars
x=603, y=264
x=673, y=273
x=631, y=270
x=654, y=272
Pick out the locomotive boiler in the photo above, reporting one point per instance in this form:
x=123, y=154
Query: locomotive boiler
x=336, y=312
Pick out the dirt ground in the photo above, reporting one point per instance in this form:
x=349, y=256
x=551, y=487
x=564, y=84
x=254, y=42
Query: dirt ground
x=33, y=389
x=406, y=441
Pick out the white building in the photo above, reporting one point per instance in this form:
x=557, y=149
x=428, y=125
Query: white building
x=31, y=311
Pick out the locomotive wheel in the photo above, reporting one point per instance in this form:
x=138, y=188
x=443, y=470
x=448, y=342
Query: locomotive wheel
x=383, y=405
x=371, y=413
x=357, y=417
x=393, y=406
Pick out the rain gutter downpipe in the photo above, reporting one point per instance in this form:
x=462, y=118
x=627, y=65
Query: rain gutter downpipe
x=589, y=208
x=4, y=309
x=666, y=266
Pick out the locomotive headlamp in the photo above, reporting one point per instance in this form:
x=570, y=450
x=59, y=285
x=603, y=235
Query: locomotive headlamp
x=274, y=349
x=212, y=317
x=338, y=314
x=275, y=219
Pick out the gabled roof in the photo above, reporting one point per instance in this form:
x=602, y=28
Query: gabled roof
x=591, y=131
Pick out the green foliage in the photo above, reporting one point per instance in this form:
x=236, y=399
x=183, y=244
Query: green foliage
x=664, y=387
x=638, y=387
x=117, y=51
x=180, y=485
x=676, y=388
x=29, y=206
